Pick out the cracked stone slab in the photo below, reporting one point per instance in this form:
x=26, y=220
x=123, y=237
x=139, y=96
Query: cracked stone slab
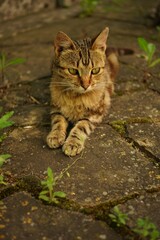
x=144, y=206
x=147, y=136
x=139, y=104
x=35, y=21
x=26, y=94
x=133, y=81
x=23, y=217
x=37, y=62
x=109, y=168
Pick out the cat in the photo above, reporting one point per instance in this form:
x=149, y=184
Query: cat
x=83, y=74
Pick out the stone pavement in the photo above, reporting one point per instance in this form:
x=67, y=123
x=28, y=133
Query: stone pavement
x=120, y=164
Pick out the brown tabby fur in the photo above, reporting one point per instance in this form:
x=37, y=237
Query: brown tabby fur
x=81, y=86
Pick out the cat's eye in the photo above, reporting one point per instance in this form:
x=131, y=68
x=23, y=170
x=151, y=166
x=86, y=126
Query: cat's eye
x=95, y=70
x=73, y=71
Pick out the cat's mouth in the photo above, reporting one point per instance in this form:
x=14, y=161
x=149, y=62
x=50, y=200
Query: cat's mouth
x=83, y=90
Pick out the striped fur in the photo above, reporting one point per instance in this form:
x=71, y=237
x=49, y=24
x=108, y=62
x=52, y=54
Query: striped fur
x=81, y=86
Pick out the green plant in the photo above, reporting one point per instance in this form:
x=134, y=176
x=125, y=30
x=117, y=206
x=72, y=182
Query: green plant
x=5, y=122
x=2, y=182
x=4, y=63
x=48, y=194
x=3, y=158
x=145, y=228
x=88, y=7
x=118, y=217
x=149, y=51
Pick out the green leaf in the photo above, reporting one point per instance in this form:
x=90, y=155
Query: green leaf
x=112, y=216
x=49, y=172
x=2, y=161
x=44, y=197
x=43, y=182
x=151, y=50
x=140, y=222
x=44, y=192
x=2, y=61
x=15, y=61
x=59, y=194
x=3, y=158
x=155, y=234
x=50, y=179
x=2, y=180
x=4, y=120
x=155, y=62
x=143, y=44
x=116, y=210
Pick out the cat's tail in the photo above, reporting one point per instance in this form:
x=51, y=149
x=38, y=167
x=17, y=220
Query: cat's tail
x=119, y=51
x=112, y=57
x=113, y=63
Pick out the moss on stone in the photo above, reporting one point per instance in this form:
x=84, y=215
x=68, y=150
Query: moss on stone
x=120, y=125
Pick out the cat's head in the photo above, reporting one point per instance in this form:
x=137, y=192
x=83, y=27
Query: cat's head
x=81, y=64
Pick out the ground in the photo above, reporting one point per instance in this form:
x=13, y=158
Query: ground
x=120, y=164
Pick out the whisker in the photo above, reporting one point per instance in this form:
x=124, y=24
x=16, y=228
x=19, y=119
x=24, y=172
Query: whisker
x=67, y=89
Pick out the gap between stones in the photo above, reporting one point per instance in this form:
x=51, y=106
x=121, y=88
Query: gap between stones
x=31, y=185
x=120, y=126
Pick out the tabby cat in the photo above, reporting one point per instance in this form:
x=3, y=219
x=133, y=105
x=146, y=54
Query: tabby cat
x=81, y=86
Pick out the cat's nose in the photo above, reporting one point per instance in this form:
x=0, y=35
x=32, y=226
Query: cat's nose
x=85, y=86
x=85, y=83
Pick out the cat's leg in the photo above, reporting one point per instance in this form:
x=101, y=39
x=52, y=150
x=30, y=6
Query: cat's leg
x=76, y=139
x=57, y=135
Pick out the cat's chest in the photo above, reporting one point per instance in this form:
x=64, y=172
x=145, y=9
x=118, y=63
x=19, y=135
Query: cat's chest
x=74, y=111
x=75, y=108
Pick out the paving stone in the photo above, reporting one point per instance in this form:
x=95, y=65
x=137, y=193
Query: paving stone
x=37, y=64
x=147, y=135
x=27, y=93
x=23, y=217
x=34, y=21
x=140, y=104
x=108, y=169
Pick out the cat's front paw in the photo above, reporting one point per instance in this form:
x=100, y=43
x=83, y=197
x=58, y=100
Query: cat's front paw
x=72, y=148
x=55, y=140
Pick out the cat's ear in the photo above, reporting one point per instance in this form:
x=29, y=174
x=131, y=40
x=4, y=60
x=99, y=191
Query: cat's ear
x=100, y=41
x=62, y=42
